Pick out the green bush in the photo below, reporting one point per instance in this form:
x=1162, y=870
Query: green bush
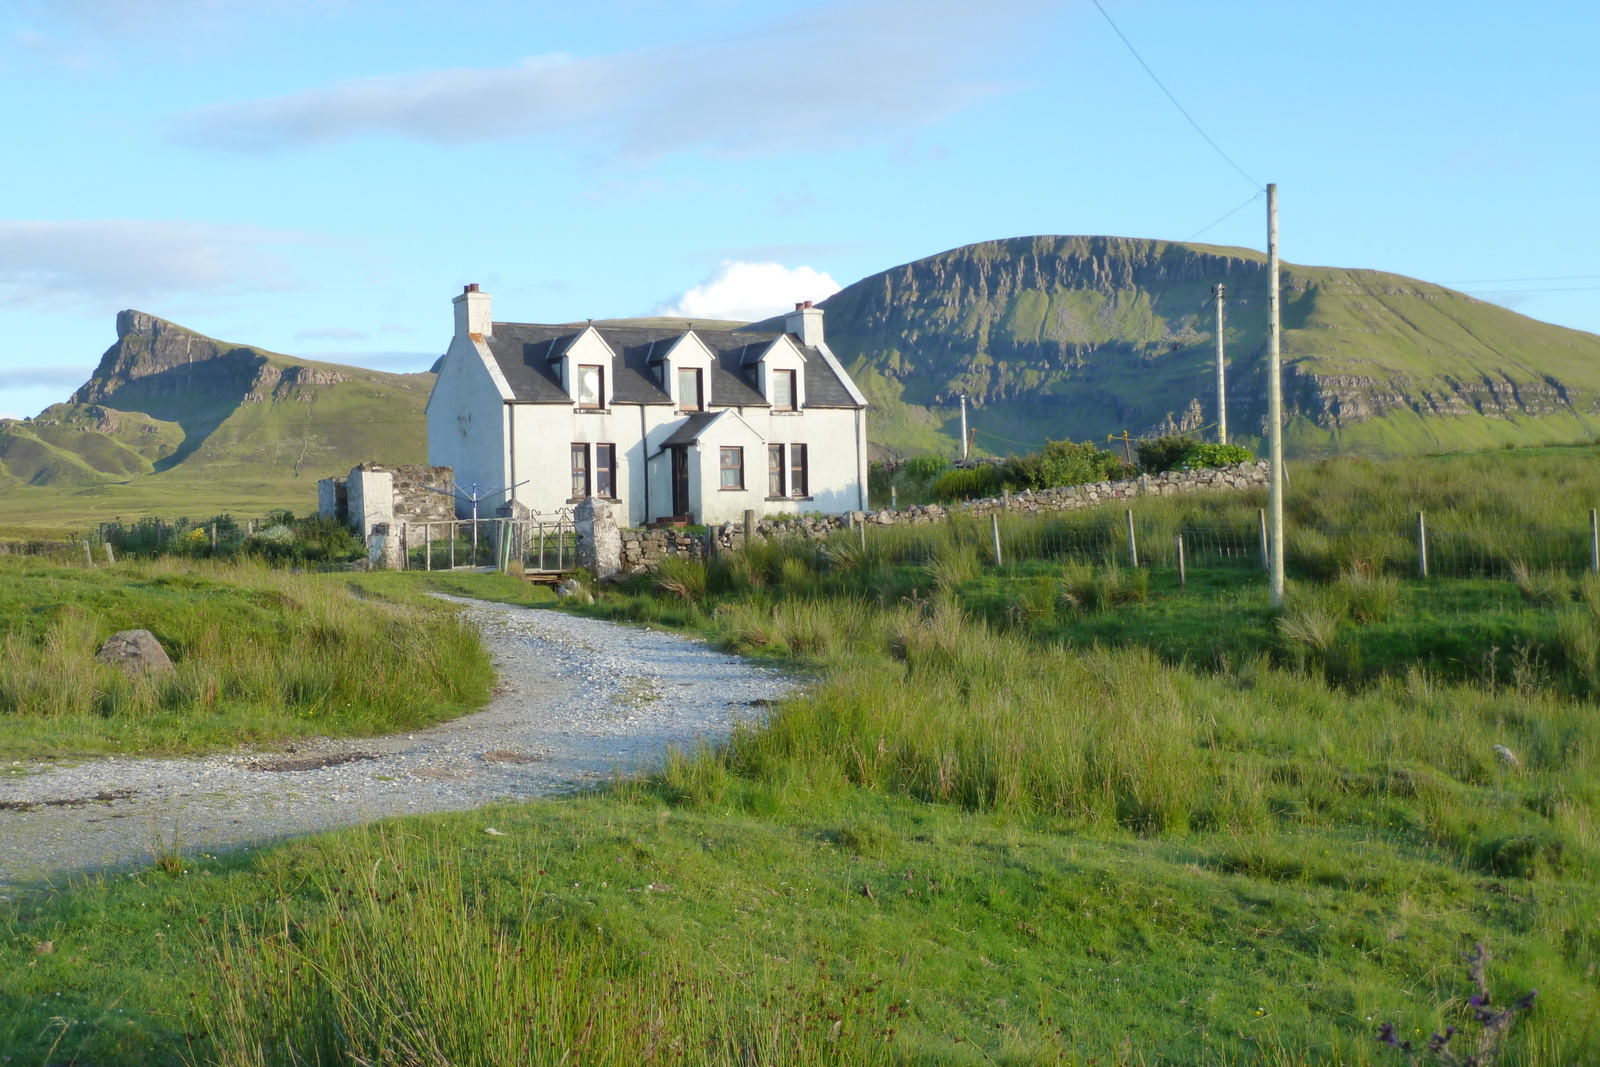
x=1164, y=453
x=925, y=468
x=1204, y=456
x=968, y=483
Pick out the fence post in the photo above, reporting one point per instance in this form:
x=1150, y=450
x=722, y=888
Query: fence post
x=1594, y=541
x=1133, y=545
x=1182, y=578
x=405, y=546
x=111, y=559
x=749, y=527
x=1266, y=555
x=88, y=555
x=427, y=546
x=861, y=533
x=994, y=528
x=894, y=499
x=1422, y=544
x=213, y=539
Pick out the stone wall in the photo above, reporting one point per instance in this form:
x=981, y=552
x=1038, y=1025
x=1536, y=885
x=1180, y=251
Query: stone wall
x=643, y=549
x=410, y=499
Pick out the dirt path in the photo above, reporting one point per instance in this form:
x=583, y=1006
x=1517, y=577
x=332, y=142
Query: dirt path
x=576, y=699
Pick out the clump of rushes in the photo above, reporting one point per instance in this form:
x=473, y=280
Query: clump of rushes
x=1087, y=588
x=682, y=578
x=1543, y=587
x=406, y=964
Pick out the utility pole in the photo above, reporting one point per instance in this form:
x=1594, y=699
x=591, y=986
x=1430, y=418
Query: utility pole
x=965, y=438
x=1274, y=397
x=1220, y=291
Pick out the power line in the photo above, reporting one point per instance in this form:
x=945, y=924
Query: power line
x=1174, y=99
x=1226, y=217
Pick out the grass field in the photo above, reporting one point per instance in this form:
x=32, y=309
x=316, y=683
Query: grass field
x=260, y=656
x=1053, y=812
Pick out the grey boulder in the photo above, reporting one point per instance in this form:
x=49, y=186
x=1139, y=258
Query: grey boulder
x=135, y=651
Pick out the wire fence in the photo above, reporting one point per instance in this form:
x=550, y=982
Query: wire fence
x=1122, y=538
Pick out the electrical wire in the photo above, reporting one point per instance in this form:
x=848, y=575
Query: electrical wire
x=1174, y=99
x=1226, y=217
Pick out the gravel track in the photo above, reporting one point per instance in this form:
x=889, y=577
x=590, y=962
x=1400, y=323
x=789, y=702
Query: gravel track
x=576, y=700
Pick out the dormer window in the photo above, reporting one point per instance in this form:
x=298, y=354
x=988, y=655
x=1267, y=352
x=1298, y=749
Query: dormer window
x=783, y=391
x=591, y=386
x=691, y=396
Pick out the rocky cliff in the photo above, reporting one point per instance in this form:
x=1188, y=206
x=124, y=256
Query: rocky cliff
x=1087, y=336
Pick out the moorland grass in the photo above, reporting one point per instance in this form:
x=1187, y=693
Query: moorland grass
x=259, y=655
x=1004, y=839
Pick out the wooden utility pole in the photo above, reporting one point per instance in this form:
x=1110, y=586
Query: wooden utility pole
x=1274, y=398
x=1220, y=291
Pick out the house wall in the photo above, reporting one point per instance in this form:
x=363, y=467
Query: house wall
x=467, y=423
x=542, y=436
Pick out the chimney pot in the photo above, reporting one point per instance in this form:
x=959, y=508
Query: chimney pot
x=808, y=303
x=798, y=305
x=473, y=288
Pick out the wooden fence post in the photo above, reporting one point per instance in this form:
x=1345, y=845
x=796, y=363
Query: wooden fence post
x=427, y=546
x=1422, y=544
x=88, y=555
x=111, y=558
x=1182, y=578
x=1133, y=544
x=1594, y=541
x=1266, y=553
x=749, y=526
x=994, y=529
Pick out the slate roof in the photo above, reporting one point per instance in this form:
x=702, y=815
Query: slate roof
x=523, y=351
x=690, y=431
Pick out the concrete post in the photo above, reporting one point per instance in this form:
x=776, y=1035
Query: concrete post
x=599, y=540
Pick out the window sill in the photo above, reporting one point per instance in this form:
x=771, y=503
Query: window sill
x=592, y=411
x=787, y=499
x=731, y=489
x=607, y=499
x=691, y=411
x=785, y=411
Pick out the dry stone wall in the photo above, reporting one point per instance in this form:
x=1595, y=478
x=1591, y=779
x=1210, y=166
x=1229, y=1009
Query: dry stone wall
x=642, y=550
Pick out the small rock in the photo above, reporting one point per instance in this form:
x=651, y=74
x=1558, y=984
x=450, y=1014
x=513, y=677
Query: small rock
x=574, y=589
x=1507, y=756
x=135, y=651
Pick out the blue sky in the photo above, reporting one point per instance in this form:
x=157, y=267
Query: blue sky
x=319, y=177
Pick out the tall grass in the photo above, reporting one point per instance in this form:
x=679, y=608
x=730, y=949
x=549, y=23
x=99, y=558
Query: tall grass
x=918, y=698
x=407, y=963
x=257, y=653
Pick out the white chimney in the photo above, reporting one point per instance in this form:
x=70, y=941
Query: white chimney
x=472, y=312
x=805, y=322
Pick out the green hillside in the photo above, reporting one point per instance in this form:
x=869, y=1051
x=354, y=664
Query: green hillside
x=173, y=422
x=1085, y=336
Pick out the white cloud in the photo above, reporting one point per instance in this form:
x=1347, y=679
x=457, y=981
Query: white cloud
x=832, y=76
x=138, y=259
x=747, y=292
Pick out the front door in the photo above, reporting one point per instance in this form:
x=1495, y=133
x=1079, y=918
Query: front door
x=680, y=480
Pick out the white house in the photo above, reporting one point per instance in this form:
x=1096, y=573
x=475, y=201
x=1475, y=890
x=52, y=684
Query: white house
x=663, y=421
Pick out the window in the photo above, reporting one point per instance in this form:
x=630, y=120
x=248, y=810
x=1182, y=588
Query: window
x=689, y=398
x=605, y=471
x=580, y=471
x=783, y=394
x=798, y=482
x=733, y=468
x=591, y=386
x=774, y=470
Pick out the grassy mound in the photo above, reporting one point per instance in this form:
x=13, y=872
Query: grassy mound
x=259, y=655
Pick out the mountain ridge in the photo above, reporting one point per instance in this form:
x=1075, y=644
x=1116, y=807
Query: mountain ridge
x=1084, y=336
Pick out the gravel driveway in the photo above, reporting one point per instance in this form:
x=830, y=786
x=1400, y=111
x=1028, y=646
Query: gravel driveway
x=577, y=698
